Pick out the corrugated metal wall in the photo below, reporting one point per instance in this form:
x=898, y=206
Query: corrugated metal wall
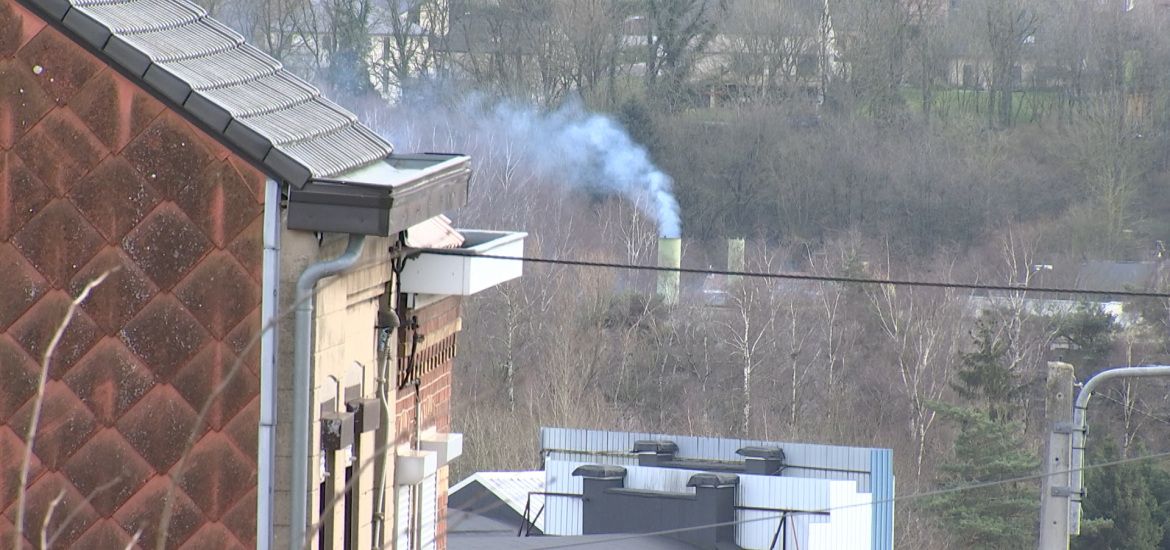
x=856, y=472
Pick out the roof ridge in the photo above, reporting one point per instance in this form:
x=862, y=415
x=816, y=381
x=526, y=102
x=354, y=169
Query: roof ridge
x=184, y=56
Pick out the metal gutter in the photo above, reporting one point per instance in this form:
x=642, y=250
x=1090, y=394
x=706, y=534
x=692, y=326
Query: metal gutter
x=269, y=302
x=302, y=366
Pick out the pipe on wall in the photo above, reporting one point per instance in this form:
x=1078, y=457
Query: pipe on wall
x=269, y=302
x=302, y=367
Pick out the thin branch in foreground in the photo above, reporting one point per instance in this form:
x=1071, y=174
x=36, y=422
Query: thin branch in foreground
x=49, y=517
x=77, y=509
x=134, y=540
x=38, y=402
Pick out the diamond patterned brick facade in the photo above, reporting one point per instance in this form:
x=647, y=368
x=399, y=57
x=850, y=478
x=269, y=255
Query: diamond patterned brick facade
x=97, y=176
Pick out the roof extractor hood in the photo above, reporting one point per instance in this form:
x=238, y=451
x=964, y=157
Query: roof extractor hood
x=382, y=198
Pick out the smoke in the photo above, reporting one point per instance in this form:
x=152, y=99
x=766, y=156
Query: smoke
x=571, y=145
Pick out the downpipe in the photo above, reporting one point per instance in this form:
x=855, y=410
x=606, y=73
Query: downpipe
x=302, y=367
x=266, y=432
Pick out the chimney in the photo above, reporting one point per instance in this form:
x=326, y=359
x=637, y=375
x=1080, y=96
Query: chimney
x=714, y=505
x=609, y=507
x=767, y=461
x=598, y=512
x=735, y=248
x=669, y=255
x=653, y=452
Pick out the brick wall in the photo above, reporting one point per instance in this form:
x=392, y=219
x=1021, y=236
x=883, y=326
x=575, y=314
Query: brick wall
x=439, y=325
x=96, y=174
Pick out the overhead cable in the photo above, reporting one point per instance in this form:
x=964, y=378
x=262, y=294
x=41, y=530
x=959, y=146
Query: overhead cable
x=801, y=276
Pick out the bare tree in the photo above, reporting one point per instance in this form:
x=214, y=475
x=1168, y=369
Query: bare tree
x=407, y=44
x=922, y=329
x=677, y=31
x=1008, y=26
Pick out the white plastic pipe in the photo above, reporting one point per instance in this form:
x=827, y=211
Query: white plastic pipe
x=269, y=302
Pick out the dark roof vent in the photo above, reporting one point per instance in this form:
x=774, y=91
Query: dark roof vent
x=764, y=453
x=655, y=452
x=712, y=479
x=600, y=471
x=655, y=446
x=762, y=460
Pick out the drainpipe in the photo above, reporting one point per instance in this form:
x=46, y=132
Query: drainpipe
x=269, y=302
x=1080, y=408
x=387, y=383
x=302, y=365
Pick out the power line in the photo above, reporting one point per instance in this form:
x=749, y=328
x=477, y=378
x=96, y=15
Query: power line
x=799, y=276
x=1133, y=408
x=924, y=494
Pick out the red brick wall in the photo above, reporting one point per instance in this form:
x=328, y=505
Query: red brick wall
x=95, y=174
x=438, y=324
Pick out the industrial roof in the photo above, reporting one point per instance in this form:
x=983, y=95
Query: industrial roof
x=513, y=489
x=239, y=94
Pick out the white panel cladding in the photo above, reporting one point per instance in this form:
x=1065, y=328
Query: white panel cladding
x=402, y=517
x=429, y=515
x=849, y=529
x=848, y=523
x=819, y=477
x=804, y=459
x=468, y=274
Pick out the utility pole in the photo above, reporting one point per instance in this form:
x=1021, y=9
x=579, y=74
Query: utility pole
x=1064, y=459
x=1054, y=498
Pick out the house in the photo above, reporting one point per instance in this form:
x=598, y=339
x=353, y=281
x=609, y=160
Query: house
x=603, y=487
x=227, y=384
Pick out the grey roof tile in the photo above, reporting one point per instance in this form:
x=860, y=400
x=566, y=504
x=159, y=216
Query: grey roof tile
x=239, y=93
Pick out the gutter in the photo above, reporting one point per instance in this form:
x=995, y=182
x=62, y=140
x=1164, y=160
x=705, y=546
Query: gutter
x=269, y=302
x=302, y=365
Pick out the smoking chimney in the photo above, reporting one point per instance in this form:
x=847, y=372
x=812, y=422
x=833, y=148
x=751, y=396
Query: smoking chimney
x=669, y=255
x=735, y=248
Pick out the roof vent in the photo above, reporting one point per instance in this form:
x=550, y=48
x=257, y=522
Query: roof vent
x=600, y=471
x=655, y=452
x=768, y=461
x=713, y=479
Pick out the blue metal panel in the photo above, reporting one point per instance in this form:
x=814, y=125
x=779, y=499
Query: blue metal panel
x=882, y=482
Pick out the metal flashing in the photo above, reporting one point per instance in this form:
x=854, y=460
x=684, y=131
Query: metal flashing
x=211, y=113
x=287, y=168
x=167, y=83
x=127, y=56
x=248, y=139
x=713, y=479
x=600, y=471
x=89, y=30
x=53, y=9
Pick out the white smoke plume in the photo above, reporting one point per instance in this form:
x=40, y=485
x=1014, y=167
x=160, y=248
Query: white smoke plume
x=571, y=145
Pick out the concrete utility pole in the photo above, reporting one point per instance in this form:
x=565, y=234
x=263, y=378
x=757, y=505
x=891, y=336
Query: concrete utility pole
x=1054, y=498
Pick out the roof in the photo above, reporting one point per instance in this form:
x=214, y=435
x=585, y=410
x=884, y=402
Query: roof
x=1112, y=275
x=511, y=488
x=436, y=232
x=236, y=92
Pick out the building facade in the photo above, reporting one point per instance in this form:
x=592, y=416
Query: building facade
x=245, y=369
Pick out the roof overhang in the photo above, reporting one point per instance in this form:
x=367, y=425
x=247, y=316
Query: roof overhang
x=384, y=197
